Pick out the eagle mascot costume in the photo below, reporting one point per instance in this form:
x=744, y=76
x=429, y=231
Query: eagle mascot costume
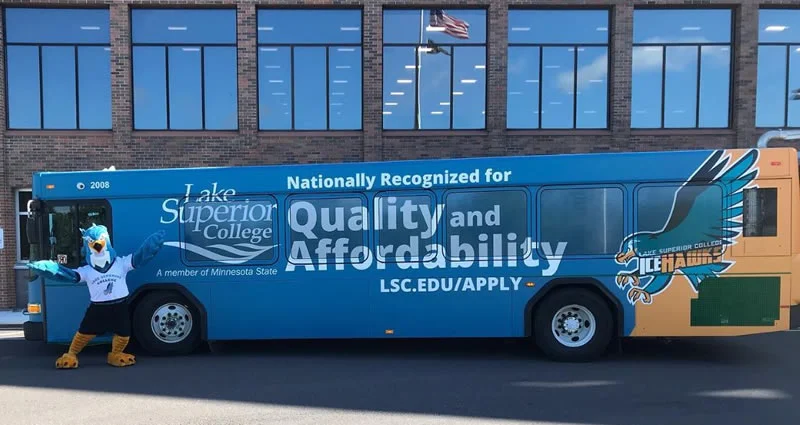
x=104, y=274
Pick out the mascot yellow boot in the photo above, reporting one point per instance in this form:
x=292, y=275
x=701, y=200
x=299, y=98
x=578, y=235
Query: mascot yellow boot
x=104, y=274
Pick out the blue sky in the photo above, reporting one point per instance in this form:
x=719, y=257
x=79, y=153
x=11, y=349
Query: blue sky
x=297, y=90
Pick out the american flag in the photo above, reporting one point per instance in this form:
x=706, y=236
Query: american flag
x=452, y=26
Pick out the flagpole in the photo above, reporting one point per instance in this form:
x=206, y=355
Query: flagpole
x=419, y=65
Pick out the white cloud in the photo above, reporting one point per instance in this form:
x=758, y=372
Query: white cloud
x=646, y=58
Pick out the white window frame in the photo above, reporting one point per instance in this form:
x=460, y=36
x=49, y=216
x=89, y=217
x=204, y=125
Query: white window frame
x=18, y=220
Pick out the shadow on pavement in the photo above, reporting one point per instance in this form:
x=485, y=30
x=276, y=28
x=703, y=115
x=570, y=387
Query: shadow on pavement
x=725, y=381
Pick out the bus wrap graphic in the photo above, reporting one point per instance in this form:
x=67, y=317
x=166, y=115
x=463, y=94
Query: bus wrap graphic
x=704, y=219
x=484, y=228
x=219, y=226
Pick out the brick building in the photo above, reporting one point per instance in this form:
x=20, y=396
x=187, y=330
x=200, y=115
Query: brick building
x=87, y=84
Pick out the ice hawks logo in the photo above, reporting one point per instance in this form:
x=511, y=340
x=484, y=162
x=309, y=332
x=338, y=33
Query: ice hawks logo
x=694, y=238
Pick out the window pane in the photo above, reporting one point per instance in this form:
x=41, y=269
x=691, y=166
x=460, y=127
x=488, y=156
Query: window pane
x=57, y=25
x=23, y=196
x=403, y=26
x=345, y=99
x=434, y=90
x=274, y=88
x=682, y=26
x=590, y=221
x=592, y=87
x=771, y=93
x=235, y=230
x=398, y=99
x=185, y=99
x=715, y=80
x=558, y=26
x=62, y=236
x=309, y=88
x=779, y=26
x=409, y=236
x=680, y=92
x=58, y=85
x=492, y=217
x=184, y=26
x=89, y=214
x=220, y=88
x=760, y=212
x=523, y=87
x=276, y=26
x=469, y=78
x=315, y=222
x=654, y=207
x=23, y=87
x=557, y=98
x=646, y=87
x=94, y=87
x=794, y=84
x=149, y=88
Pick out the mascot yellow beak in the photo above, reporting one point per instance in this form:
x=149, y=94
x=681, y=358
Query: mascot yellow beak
x=98, y=245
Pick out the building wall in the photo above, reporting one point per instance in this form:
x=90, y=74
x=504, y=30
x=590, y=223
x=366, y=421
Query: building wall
x=25, y=152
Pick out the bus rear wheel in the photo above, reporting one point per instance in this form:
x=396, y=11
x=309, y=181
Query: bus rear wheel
x=573, y=325
x=165, y=323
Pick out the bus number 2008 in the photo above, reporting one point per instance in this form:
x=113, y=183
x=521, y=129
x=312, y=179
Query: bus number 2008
x=99, y=185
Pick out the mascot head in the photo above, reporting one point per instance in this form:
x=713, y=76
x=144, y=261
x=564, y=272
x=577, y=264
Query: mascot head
x=97, y=247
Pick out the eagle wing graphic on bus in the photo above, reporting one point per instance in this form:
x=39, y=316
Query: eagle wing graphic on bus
x=694, y=237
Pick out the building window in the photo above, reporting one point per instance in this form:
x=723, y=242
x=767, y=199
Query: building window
x=23, y=247
x=309, y=80
x=184, y=69
x=434, y=69
x=778, y=86
x=547, y=50
x=681, y=68
x=58, y=67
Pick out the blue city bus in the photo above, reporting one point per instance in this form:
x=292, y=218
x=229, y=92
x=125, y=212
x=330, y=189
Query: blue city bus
x=571, y=251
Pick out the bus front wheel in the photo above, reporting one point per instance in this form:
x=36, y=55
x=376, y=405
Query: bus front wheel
x=165, y=323
x=574, y=325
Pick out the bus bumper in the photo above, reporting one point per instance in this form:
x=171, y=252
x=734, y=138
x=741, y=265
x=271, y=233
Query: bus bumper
x=33, y=328
x=33, y=331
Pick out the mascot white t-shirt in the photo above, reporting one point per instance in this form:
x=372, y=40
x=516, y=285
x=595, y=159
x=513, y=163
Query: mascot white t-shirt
x=110, y=285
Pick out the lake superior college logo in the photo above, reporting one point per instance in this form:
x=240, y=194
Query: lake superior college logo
x=694, y=238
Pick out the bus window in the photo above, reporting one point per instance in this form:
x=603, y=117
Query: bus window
x=89, y=214
x=326, y=230
x=63, y=225
x=589, y=220
x=491, y=218
x=406, y=229
x=62, y=237
x=760, y=212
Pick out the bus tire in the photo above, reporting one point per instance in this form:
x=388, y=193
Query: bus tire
x=166, y=323
x=573, y=325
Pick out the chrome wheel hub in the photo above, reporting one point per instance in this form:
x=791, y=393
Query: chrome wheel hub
x=171, y=323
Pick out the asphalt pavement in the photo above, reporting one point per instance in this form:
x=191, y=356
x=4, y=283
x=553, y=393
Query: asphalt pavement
x=745, y=380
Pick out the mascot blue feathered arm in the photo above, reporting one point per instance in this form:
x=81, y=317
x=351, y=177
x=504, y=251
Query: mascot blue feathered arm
x=52, y=270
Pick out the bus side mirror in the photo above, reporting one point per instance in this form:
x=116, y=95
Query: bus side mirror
x=33, y=230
